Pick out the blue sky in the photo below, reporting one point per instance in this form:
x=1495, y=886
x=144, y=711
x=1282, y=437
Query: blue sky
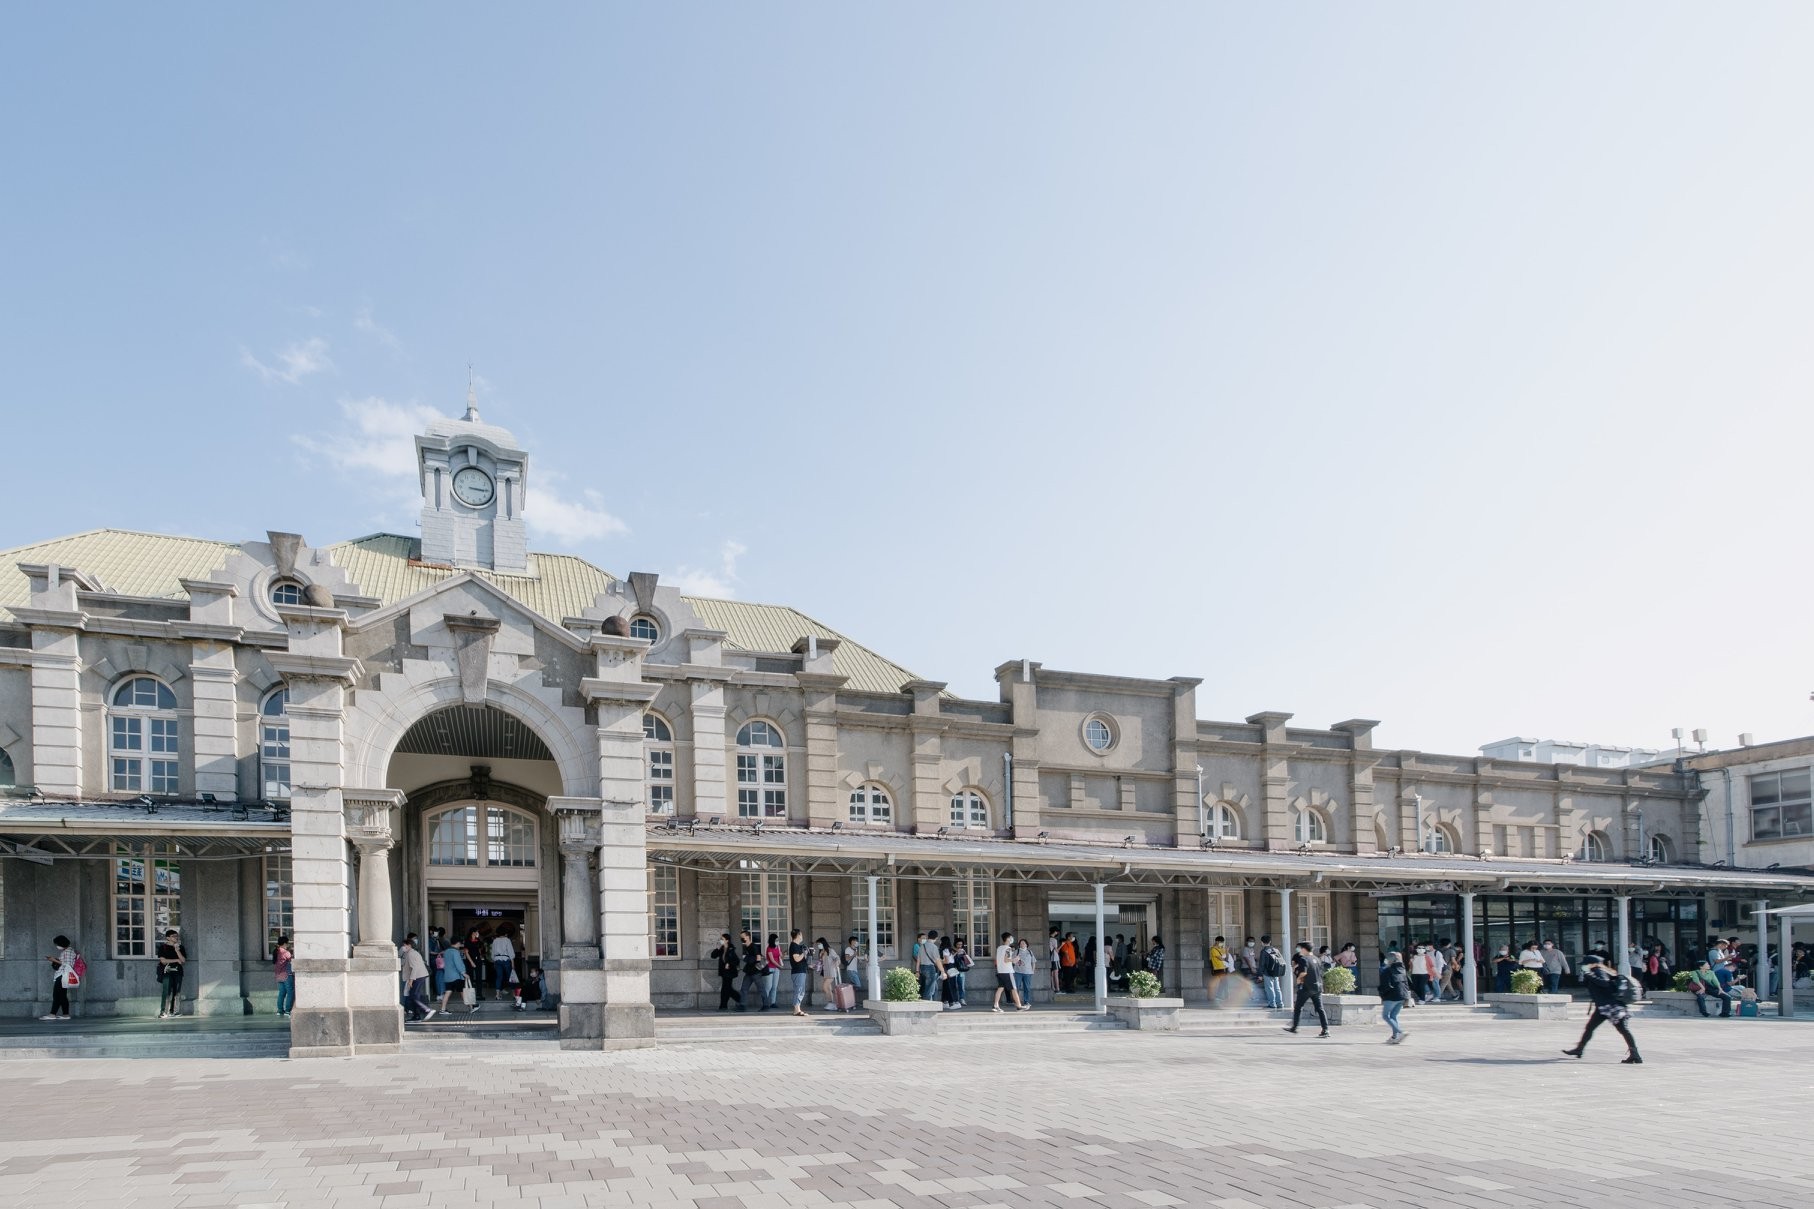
x=1446, y=365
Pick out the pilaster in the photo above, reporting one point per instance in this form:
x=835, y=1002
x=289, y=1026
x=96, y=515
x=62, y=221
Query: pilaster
x=1275, y=780
x=1018, y=683
x=56, y=678
x=1187, y=802
x=930, y=808
x=1360, y=781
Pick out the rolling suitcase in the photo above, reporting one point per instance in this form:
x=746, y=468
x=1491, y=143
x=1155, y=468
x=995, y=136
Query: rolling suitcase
x=847, y=997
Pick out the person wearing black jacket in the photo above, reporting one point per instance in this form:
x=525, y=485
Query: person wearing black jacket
x=727, y=957
x=1394, y=992
x=1307, y=974
x=1610, y=992
x=755, y=965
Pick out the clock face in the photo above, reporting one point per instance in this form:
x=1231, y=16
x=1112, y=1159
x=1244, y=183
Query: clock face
x=472, y=486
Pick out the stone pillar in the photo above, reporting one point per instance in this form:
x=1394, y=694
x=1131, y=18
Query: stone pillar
x=1287, y=945
x=1469, y=971
x=582, y=969
x=374, y=1013
x=1275, y=781
x=317, y=673
x=1624, y=959
x=1761, y=977
x=56, y=679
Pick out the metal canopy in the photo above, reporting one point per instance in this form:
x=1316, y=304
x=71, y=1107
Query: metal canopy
x=797, y=850
x=44, y=832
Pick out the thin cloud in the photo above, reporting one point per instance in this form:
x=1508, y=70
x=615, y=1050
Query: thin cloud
x=364, y=322
x=696, y=581
x=569, y=521
x=294, y=363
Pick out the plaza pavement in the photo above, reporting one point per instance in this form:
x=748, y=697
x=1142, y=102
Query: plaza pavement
x=1471, y=1115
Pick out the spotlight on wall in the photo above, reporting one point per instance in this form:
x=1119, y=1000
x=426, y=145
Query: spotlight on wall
x=837, y=826
x=1127, y=841
x=944, y=831
x=1209, y=841
x=1395, y=850
x=1041, y=835
x=758, y=826
x=206, y=799
x=1303, y=849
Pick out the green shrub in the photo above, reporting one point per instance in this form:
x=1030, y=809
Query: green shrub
x=1338, y=980
x=1527, y=982
x=1143, y=984
x=901, y=985
x=1680, y=981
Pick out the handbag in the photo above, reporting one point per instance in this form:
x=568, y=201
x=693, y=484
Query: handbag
x=469, y=996
x=440, y=962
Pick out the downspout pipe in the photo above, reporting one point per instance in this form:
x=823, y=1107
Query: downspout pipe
x=1007, y=780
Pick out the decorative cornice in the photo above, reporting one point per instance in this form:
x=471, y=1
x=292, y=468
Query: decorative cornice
x=291, y=666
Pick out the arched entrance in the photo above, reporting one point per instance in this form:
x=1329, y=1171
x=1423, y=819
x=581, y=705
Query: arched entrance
x=477, y=851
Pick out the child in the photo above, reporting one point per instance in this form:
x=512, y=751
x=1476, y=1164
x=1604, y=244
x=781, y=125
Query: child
x=529, y=993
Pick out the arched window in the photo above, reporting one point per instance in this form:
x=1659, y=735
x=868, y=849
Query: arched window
x=286, y=592
x=274, y=746
x=1221, y=822
x=658, y=744
x=869, y=803
x=644, y=627
x=498, y=837
x=1660, y=850
x=1438, y=838
x=969, y=808
x=1594, y=847
x=143, y=747
x=1309, y=827
x=8, y=777
x=761, y=771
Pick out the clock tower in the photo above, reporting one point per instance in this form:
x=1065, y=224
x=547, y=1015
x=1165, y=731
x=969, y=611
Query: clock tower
x=473, y=479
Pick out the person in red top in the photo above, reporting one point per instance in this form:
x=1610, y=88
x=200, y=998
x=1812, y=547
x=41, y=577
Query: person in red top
x=1067, y=963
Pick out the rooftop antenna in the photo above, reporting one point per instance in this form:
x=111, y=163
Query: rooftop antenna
x=472, y=397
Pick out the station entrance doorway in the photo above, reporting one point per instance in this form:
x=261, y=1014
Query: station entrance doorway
x=1133, y=921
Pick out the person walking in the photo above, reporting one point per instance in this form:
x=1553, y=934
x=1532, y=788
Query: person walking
x=503, y=963
x=1272, y=973
x=1419, y=971
x=453, y=979
x=771, y=975
x=755, y=966
x=63, y=975
x=171, y=959
x=1023, y=971
x=1610, y=991
x=414, y=973
x=797, y=969
x=1394, y=989
x=1004, y=974
x=283, y=968
x=473, y=958
x=727, y=961
x=831, y=974
x=1307, y=976
x=1555, y=965
x=853, y=964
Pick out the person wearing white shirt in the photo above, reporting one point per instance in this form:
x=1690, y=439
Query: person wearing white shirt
x=1004, y=973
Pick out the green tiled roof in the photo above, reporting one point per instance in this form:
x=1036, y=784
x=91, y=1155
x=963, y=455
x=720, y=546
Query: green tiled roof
x=154, y=564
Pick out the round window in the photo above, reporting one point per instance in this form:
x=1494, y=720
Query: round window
x=1098, y=733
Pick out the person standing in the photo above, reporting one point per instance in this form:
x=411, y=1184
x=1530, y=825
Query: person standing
x=853, y=965
x=503, y=963
x=62, y=977
x=755, y=966
x=170, y=962
x=1307, y=977
x=1394, y=989
x=1067, y=963
x=1248, y=961
x=831, y=974
x=473, y=958
x=1155, y=960
x=797, y=969
x=283, y=968
x=1419, y=973
x=1023, y=972
x=1219, y=964
x=960, y=966
x=771, y=977
x=947, y=955
x=725, y=959
x=437, y=944
x=1503, y=965
x=1555, y=965
x=414, y=972
x=925, y=954
x=1610, y=992
x=1053, y=940
x=1272, y=973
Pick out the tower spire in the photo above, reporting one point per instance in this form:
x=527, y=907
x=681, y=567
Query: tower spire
x=472, y=397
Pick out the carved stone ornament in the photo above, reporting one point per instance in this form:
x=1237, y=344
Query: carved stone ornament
x=371, y=816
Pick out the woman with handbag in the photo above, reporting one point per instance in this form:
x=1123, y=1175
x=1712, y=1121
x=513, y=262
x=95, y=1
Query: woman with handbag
x=453, y=971
x=62, y=977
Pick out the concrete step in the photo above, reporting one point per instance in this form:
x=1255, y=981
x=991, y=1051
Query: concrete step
x=981, y=1020
x=263, y=1043
x=755, y=1026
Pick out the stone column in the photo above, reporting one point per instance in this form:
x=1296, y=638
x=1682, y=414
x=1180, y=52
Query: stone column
x=1469, y=973
x=374, y=1014
x=1275, y=781
x=1187, y=772
x=582, y=985
x=822, y=805
x=1624, y=959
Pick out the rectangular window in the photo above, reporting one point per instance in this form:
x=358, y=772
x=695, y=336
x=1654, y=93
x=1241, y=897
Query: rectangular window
x=859, y=915
x=664, y=911
x=1312, y=920
x=1781, y=805
x=761, y=786
x=274, y=760
x=147, y=898
x=661, y=781
x=1223, y=917
x=764, y=908
x=280, y=901
x=971, y=900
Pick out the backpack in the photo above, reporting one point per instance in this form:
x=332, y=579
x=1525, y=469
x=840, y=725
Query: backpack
x=1626, y=991
x=964, y=964
x=78, y=970
x=1271, y=965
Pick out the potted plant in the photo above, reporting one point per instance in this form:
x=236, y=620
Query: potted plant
x=1145, y=1006
x=1527, y=982
x=900, y=1010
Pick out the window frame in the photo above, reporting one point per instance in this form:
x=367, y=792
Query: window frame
x=142, y=767
x=270, y=724
x=479, y=840
x=970, y=921
x=644, y=621
x=1318, y=827
x=761, y=771
x=887, y=915
x=664, y=912
x=1211, y=828
x=1660, y=849
x=9, y=772
x=1441, y=840
x=149, y=910
x=1780, y=805
x=658, y=764
x=1312, y=920
x=769, y=908
x=1111, y=731
x=1596, y=847
x=861, y=806
x=964, y=805
x=280, y=899
x=286, y=588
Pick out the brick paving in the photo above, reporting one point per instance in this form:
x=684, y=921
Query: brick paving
x=1460, y=1116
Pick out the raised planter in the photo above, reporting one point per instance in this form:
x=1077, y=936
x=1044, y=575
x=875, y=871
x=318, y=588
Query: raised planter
x=1530, y=1007
x=1157, y=1015
x=1678, y=1001
x=1351, y=1009
x=905, y=1018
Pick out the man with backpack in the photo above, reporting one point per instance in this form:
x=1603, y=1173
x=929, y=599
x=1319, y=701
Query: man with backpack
x=1611, y=992
x=1272, y=973
x=1307, y=974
